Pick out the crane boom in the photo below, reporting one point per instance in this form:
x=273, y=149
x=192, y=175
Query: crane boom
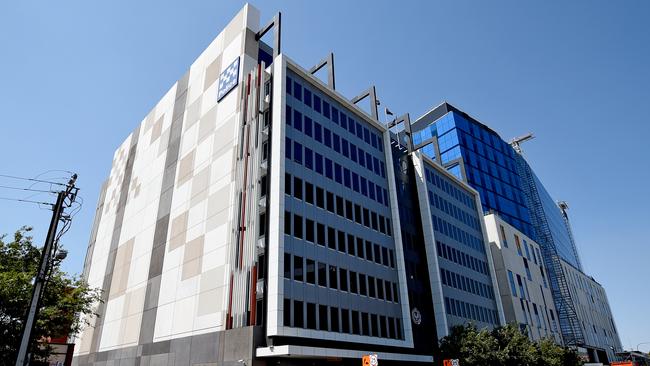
x=516, y=142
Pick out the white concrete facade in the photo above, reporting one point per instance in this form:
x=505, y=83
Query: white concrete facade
x=521, y=277
x=594, y=313
x=181, y=156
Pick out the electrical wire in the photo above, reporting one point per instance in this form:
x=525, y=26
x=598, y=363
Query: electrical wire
x=26, y=189
x=32, y=179
x=28, y=201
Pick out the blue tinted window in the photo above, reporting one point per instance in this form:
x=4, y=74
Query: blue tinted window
x=297, y=120
x=359, y=131
x=335, y=115
x=328, y=168
x=316, y=103
x=362, y=158
x=345, y=148
x=318, y=133
x=353, y=152
x=289, y=84
x=346, y=177
x=309, y=164
x=379, y=194
x=366, y=135
x=308, y=126
x=287, y=148
x=297, y=90
x=355, y=181
x=307, y=98
x=337, y=174
x=297, y=152
x=343, y=121
x=319, y=163
x=351, y=125
x=364, y=187
x=326, y=109
x=327, y=137
x=377, y=167
x=369, y=161
x=336, y=142
x=289, y=115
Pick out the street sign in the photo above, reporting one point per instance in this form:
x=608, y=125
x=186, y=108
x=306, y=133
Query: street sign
x=370, y=360
x=452, y=362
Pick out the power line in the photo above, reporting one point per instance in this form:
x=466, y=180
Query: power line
x=32, y=179
x=26, y=189
x=21, y=200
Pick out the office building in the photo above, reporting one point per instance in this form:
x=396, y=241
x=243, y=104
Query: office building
x=509, y=188
x=257, y=216
x=477, y=155
x=252, y=217
x=443, y=234
x=521, y=276
x=601, y=338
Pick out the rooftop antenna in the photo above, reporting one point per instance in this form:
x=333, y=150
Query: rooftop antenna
x=516, y=142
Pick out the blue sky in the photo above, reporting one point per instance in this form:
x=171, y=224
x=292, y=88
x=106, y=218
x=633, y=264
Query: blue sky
x=77, y=77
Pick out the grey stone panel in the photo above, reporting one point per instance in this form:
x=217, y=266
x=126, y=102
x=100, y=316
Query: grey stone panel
x=160, y=233
x=148, y=323
x=203, y=348
x=180, y=348
x=151, y=296
x=156, y=264
x=216, y=348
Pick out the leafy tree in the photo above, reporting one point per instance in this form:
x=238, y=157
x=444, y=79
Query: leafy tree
x=503, y=346
x=64, y=299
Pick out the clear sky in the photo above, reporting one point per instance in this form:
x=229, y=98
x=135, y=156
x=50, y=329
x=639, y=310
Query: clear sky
x=78, y=76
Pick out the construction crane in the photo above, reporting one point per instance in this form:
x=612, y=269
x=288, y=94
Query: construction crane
x=516, y=142
x=563, y=207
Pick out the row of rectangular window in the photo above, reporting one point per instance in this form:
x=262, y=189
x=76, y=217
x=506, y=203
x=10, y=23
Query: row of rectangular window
x=334, y=171
x=300, y=314
x=454, y=211
x=335, y=204
x=326, y=275
x=502, y=174
x=334, y=239
x=495, y=187
x=545, y=320
x=333, y=141
x=443, y=184
x=346, y=122
x=471, y=311
x=457, y=234
x=486, y=151
x=457, y=281
x=459, y=257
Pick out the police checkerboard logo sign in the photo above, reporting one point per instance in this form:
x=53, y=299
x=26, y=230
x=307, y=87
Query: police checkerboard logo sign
x=228, y=79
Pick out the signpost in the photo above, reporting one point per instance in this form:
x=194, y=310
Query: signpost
x=370, y=360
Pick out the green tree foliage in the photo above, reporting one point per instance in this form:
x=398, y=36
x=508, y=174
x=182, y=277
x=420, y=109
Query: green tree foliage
x=503, y=346
x=64, y=299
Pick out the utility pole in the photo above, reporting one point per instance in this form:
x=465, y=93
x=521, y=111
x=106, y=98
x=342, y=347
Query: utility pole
x=44, y=268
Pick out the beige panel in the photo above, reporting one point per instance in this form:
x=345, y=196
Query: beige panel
x=185, y=168
x=178, y=231
x=192, y=268
x=212, y=73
